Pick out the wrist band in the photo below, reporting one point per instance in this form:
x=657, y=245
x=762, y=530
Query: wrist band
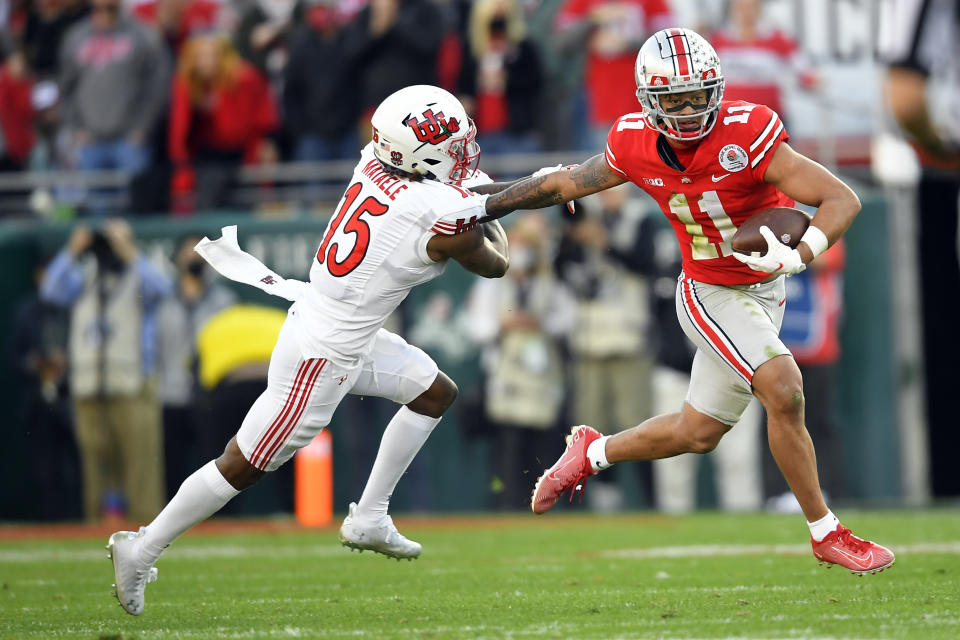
x=816, y=240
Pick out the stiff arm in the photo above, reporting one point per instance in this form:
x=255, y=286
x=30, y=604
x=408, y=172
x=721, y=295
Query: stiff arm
x=554, y=188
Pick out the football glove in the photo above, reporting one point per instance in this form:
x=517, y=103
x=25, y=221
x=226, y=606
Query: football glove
x=477, y=179
x=778, y=260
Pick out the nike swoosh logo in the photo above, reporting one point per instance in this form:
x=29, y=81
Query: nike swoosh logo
x=553, y=474
x=716, y=179
x=863, y=562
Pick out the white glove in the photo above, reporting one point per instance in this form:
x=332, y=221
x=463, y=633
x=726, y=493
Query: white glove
x=477, y=179
x=546, y=171
x=779, y=259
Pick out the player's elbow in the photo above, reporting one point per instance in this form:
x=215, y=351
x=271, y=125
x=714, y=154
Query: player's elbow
x=497, y=267
x=852, y=203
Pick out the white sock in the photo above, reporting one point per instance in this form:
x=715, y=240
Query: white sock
x=823, y=526
x=200, y=496
x=402, y=439
x=597, y=454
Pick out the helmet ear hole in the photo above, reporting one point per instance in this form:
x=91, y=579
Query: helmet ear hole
x=431, y=161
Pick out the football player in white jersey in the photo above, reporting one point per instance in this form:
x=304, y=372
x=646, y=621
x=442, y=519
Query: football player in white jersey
x=405, y=213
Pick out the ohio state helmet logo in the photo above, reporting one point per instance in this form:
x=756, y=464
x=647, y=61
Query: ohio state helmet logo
x=434, y=128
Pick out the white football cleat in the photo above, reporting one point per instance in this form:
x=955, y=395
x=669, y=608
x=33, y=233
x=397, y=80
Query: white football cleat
x=381, y=538
x=130, y=576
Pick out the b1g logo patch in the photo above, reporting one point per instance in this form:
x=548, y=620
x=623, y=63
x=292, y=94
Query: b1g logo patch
x=396, y=158
x=733, y=158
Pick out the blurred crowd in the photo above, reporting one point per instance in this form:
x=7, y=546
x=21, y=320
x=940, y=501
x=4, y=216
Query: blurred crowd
x=178, y=94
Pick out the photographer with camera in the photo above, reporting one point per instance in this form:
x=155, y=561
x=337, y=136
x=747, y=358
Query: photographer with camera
x=112, y=292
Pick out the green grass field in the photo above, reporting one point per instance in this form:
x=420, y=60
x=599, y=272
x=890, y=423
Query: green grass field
x=557, y=576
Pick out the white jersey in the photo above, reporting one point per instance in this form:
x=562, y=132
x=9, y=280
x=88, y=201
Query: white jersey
x=373, y=252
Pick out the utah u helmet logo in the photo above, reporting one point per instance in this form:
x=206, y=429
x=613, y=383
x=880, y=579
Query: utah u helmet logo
x=434, y=128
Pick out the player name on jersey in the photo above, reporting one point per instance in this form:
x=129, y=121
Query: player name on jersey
x=390, y=184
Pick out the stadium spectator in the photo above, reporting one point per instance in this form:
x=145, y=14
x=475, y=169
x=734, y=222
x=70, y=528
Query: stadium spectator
x=47, y=24
x=921, y=43
x=263, y=33
x=16, y=113
x=178, y=20
x=758, y=59
x=112, y=292
x=606, y=258
x=729, y=304
x=610, y=31
x=811, y=330
x=38, y=353
x=180, y=317
x=320, y=107
x=221, y=110
x=113, y=90
x=522, y=321
x=503, y=77
x=392, y=50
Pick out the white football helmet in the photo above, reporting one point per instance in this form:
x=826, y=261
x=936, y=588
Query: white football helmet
x=676, y=61
x=425, y=130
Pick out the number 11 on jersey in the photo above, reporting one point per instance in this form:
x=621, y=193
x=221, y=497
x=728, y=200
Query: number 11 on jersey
x=702, y=247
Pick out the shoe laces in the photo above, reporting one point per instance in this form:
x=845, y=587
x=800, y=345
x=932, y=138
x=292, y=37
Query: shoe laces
x=579, y=486
x=846, y=538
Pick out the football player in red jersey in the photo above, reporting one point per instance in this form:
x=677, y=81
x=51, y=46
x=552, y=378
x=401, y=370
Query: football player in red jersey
x=710, y=165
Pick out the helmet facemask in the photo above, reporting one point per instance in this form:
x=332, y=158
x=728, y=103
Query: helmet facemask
x=666, y=116
x=466, y=156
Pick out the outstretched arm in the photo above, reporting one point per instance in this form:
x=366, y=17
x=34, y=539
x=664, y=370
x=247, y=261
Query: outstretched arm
x=496, y=187
x=554, y=188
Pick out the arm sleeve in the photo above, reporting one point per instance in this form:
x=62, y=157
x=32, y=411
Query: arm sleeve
x=63, y=281
x=454, y=216
x=766, y=132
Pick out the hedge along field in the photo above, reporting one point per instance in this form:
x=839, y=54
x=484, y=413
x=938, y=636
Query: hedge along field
x=708, y=575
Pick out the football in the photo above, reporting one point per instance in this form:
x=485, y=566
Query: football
x=787, y=223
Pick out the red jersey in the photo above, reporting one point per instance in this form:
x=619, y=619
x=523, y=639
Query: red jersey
x=707, y=191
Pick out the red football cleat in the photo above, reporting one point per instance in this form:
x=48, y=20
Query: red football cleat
x=567, y=472
x=847, y=550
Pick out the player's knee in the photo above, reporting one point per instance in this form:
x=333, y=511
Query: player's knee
x=704, y=437
x=786, y=399
x=704, y=442
x=437, y=399
x=236, y=469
